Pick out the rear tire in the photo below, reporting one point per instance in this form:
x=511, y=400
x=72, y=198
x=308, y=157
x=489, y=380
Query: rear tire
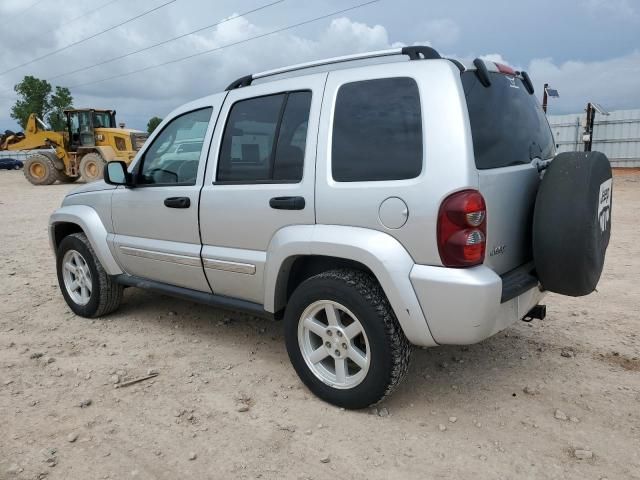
x=367, y=354
x=86, y=287
x=92, y=167
x=40, y=170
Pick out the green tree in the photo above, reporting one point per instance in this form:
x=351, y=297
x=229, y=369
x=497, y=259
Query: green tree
x=153, y=123
x=59, y=102
x=34, y=96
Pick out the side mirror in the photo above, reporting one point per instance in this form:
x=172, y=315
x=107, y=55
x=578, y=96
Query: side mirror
x=115, y=173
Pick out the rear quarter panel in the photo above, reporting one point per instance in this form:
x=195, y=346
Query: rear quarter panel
x=448, y=163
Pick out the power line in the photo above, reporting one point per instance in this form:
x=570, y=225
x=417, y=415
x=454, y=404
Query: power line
x=88, y=38
x=181, y=59
x=23, y=10
x=87, y=13
x=119, y=57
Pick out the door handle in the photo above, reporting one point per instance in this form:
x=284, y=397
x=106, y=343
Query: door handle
x=177, y=202
x=287, y=203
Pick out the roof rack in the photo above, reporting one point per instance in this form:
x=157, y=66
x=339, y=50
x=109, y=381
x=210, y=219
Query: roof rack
x=414, y=53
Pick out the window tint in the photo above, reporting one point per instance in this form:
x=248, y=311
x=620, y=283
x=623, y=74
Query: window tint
x=508, y=125
x=289, y=157
x=377, y=131
x=249, y=150
x=166, y=162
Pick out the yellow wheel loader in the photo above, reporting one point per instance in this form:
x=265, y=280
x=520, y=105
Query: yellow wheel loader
x=91, y=140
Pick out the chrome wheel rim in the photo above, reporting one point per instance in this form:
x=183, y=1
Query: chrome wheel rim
x=77, y=277
x=334, y=344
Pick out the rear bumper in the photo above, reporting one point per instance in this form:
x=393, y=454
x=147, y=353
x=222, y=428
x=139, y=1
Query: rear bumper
x=464, y=306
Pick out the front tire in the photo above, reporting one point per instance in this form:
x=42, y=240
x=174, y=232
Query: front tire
x=87, y=288
x=344, y=340
x=92, y=167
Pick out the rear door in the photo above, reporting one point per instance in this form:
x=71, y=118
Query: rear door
x=510, y=133
x=260, y=178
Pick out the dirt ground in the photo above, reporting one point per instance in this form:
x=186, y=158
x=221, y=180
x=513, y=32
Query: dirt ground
x=484, y=411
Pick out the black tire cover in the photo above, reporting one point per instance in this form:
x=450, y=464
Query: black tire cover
x=572, y=222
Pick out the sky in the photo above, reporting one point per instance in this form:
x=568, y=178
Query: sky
x=589, y=50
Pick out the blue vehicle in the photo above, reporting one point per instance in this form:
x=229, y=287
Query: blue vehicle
x=10, y=164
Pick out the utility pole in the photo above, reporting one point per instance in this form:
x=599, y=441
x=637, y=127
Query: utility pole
x=587, y=136
x=588, y=128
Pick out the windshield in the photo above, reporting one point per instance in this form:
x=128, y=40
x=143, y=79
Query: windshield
x=508, y=125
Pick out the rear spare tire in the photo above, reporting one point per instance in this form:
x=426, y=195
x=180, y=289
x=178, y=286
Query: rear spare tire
x=572, y=222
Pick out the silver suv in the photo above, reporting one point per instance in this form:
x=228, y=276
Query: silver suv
x=371, y=202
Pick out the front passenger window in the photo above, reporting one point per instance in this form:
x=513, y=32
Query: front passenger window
x=173, y=157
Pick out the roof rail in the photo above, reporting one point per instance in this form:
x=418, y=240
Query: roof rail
x=417, y=52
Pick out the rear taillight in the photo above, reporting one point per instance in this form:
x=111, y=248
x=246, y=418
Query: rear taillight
x=462, y=229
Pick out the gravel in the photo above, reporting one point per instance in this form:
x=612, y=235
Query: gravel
x=582, y=454
x=123, y=429
x=560, y=415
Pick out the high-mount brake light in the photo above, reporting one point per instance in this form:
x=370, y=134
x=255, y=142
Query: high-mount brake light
x=507, y=70
x=462, y=229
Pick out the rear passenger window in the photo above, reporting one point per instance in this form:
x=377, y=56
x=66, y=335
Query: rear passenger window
x=264, y=139
x=377, y=131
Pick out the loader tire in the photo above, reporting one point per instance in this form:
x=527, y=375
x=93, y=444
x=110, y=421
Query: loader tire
x=91, y=167
x=40, y=170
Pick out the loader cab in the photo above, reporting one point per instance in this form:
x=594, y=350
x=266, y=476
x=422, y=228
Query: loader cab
x=81, y=125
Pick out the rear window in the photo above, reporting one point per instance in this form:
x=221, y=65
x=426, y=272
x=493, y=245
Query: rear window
x=507, y=123
x=377, y=131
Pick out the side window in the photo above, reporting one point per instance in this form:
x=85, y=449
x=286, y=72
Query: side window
x=264, y=139
x=289, y=155
x=377, y=131
x=173, y=157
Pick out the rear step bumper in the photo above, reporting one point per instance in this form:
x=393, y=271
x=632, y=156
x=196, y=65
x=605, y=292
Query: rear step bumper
x=518, y=281
x=465, y=305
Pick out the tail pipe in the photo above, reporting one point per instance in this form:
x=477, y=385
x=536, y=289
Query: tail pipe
x=539, y=312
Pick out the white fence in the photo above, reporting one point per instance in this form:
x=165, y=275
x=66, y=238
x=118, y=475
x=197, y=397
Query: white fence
x=22, y=155
x=616, y=135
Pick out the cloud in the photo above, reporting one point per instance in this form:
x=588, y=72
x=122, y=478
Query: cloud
x=620, y=9
x=442, y=32
x=158, y=90
x=495, y=57
x=612, y=83
x=357, y=36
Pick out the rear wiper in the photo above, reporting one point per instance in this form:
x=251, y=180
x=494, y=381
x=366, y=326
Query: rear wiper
x=535, y=151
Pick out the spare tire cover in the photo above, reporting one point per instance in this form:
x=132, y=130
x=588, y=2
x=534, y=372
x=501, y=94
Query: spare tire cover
x=572, y=222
